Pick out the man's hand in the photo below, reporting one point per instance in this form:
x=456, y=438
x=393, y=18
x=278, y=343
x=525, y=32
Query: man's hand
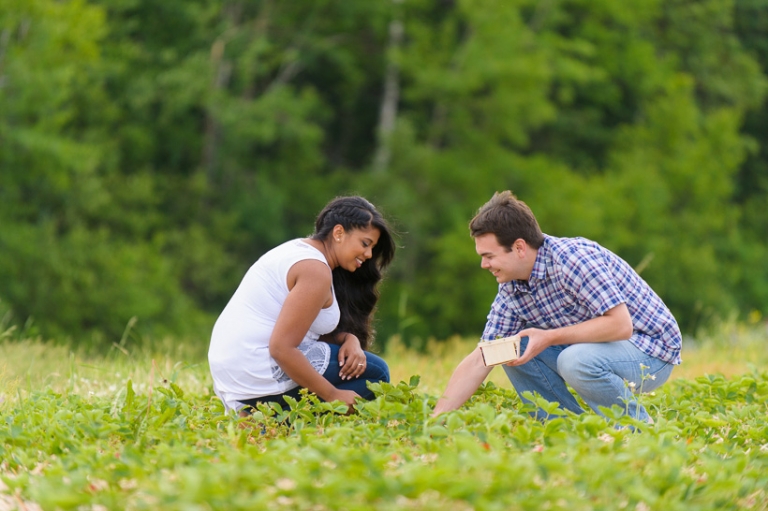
x=351, y=358
x=538, y=341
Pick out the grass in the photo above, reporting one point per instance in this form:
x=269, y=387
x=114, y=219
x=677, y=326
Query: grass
x=730, y=349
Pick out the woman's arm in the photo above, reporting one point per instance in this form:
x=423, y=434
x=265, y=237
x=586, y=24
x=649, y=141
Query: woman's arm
x=309, y=282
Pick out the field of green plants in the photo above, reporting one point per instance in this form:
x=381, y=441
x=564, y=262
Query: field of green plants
x=140, y=429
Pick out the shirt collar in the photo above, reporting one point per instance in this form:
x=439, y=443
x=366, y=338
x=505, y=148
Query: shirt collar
x=538, y=272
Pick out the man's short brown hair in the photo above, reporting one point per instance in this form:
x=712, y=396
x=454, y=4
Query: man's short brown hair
x=509, y=219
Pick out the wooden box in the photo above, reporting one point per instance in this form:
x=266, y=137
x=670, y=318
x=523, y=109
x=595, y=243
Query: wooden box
x=500, y=351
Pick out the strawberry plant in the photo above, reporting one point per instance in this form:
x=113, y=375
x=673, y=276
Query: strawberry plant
x=173, y=448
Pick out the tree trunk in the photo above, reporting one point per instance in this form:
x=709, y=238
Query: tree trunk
x=390, y=99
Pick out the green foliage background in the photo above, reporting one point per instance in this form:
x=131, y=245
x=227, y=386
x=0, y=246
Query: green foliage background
x=151, y=151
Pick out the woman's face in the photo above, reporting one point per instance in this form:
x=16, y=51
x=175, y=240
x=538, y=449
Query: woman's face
x=354, y=247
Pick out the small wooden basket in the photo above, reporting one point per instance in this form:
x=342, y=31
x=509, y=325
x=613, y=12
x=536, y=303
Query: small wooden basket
x=500, y=351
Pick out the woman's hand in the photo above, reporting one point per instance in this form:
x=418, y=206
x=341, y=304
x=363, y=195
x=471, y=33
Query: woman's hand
x=348, y=397
x=351, y=358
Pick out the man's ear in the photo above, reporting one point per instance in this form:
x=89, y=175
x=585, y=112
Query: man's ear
x=519, y=247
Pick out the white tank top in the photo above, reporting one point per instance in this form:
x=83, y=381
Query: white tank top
x=239, y=352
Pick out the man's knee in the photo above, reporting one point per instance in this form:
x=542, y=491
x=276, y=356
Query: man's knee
x=576, y=363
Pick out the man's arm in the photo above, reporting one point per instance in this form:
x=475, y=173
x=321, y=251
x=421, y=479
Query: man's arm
x=614, y=325
x=471, y=372
x=466, y=379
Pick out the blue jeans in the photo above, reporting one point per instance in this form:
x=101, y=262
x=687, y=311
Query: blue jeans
x=376, y=370
x=603, y=374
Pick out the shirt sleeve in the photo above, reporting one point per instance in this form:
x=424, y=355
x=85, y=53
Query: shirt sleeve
x=501, y=320
x=587, y=276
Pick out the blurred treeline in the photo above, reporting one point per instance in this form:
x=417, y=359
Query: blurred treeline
x=151, y=150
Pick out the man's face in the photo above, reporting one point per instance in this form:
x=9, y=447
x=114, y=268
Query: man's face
x=504, y=264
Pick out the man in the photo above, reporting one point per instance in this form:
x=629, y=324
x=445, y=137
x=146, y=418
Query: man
x=585, y=317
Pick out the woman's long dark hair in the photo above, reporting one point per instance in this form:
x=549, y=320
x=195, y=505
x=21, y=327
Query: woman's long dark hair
x=357, y=291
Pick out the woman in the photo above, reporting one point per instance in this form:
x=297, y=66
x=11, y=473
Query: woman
x=301, y=317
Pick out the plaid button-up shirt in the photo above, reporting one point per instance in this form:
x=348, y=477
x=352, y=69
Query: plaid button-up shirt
x=575, y=279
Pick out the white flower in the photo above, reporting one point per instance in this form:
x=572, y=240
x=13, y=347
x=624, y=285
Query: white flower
x=285, y=484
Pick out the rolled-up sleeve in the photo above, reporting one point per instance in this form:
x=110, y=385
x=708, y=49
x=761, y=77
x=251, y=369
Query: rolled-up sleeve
x=501, y=321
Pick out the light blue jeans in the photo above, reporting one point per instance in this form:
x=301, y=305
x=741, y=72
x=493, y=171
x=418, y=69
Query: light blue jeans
x=603, y=374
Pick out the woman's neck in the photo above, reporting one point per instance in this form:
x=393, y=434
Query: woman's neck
x=326, y=249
